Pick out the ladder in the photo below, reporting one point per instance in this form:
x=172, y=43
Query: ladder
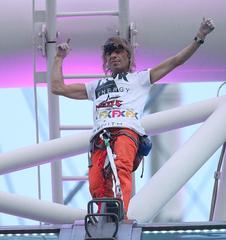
x=44, y=38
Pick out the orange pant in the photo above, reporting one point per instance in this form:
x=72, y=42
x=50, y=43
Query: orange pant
x=125, y=150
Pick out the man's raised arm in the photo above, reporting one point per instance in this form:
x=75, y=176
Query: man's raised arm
x=171, y=63
x=58, y=87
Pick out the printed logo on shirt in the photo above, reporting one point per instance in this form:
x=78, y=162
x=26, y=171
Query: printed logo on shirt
x=130, y=113
x=108, y=86
x=110, y=102
x=105, y=87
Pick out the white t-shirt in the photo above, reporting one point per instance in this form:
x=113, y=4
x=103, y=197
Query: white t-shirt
x=119, y=102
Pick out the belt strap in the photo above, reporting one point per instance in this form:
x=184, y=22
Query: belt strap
x=113, y=137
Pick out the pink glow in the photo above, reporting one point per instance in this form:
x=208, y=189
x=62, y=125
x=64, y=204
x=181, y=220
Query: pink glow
x=17, y=70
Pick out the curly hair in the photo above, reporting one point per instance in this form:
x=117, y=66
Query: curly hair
x=118, y=41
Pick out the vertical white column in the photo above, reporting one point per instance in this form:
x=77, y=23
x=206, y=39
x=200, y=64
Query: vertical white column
x=164, y=145
x=124, y=18
x=124, y=21
x=53, y=101
x=180, y=167
x=220, y=207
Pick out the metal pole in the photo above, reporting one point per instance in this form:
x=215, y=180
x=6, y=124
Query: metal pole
x=220, y=208
x=180, y=167
x=82, y=76
x=39, y=210
x=36, y=98
x=78, y=178
x=87, y=14
x=124, y=18
x=53, y=101
x=76, y=127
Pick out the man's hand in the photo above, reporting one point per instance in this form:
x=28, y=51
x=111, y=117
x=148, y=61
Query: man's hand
x=63, y=49
x=207, y=26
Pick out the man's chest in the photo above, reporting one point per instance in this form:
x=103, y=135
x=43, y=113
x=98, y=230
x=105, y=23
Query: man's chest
x=112, y=89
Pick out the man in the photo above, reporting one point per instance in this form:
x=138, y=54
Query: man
x=118, y=106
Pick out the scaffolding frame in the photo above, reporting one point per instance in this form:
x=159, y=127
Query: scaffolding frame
x=45, y=22
x=54, y=113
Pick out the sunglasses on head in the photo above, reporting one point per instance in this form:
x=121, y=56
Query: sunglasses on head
x=111, y=47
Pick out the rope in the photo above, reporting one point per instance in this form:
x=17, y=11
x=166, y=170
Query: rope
x=216, y=177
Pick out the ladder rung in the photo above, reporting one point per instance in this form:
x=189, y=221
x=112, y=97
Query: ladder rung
x=78, y=178
x=81, y=76
x=76, y=127
x=84, y=14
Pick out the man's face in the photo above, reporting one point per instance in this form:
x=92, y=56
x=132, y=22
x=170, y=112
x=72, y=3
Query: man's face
x=117, y=59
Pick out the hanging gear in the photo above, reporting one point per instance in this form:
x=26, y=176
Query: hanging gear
x=105, y=136
x=145, y=145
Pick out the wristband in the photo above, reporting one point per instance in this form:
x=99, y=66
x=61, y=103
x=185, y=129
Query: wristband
x=199, y=40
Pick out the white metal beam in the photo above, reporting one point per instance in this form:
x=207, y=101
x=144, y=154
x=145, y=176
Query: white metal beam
x=180, y=167
x=87, y=13
x=124, y=18
x=182, y=116
x=39, y=210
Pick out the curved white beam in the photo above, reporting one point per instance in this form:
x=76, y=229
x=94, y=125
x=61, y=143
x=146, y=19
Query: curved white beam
x=39, y=210
x=180, y=167
x=78, y=143
x=181, y=116
x=44, y=152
